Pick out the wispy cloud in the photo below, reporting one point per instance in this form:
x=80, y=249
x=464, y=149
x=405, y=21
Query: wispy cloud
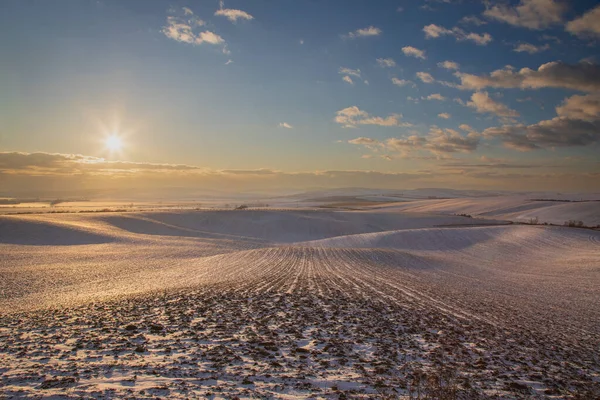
x=232, y=14
x=532, y=14
x=473, y=20
x=352, y=117
x=181, y=28
x=438, y=142
x=347, y=79
x=449, y=65
x=433, y=31
x=349, y=71
x=530, y=48
x=401, y=82
x=364, y=32
x=444, y=115
x=367, y=142
x=386, y=62
x=425, y=77
x=414, y=52
x=21, y=172
x=285, y=125
x=435, y=96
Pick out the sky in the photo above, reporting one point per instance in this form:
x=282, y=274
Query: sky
x=262, y=94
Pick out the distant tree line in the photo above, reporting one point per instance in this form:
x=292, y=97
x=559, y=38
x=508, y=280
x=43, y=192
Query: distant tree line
x=564, y=201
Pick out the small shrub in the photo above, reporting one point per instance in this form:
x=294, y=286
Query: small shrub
x=574, y=223
x=534, y=221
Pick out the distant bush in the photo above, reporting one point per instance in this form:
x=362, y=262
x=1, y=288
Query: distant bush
x=464, y=215
x=564, y=201
x=534, y=221
x=9, y=201
x=241, y=207
x=574, y=224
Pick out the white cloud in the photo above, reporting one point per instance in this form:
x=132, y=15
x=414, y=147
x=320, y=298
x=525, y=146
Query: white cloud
x=229, y=62
x=556, y=132
x=435, y=96
x=444, y=115
x=181, y=29
x=438, y=141
x=479, y=39
x=349, y=71
x=386, y=62
x=401, y=82
x=364, y=32
x=532, y=14
x=530, y=48
x=483, y=103
x=586, y=25
x=414, y=52
x=425, y=77
x=351, y=117
x=583, y=76
x=433, y=31
x=178, y=30
x=209, y=37
x=347, y=79
x=577, y=124
x=448, y=65
x=285, y=125
x=586, y=107
x=233, y=15
x=466, y=128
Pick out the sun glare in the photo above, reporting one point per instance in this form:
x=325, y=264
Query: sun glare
x=114, y=143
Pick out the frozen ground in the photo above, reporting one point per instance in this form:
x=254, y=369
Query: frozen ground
x=293, y=304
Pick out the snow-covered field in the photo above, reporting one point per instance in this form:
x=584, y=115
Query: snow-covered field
x=519, y=208
x=298, y=303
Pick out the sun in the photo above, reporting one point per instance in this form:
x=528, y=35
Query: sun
x=114, y=143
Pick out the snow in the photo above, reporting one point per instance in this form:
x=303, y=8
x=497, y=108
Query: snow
x=299, y=303
x=519, y=208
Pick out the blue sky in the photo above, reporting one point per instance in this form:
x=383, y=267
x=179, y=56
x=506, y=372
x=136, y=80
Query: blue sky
x=392, y=87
